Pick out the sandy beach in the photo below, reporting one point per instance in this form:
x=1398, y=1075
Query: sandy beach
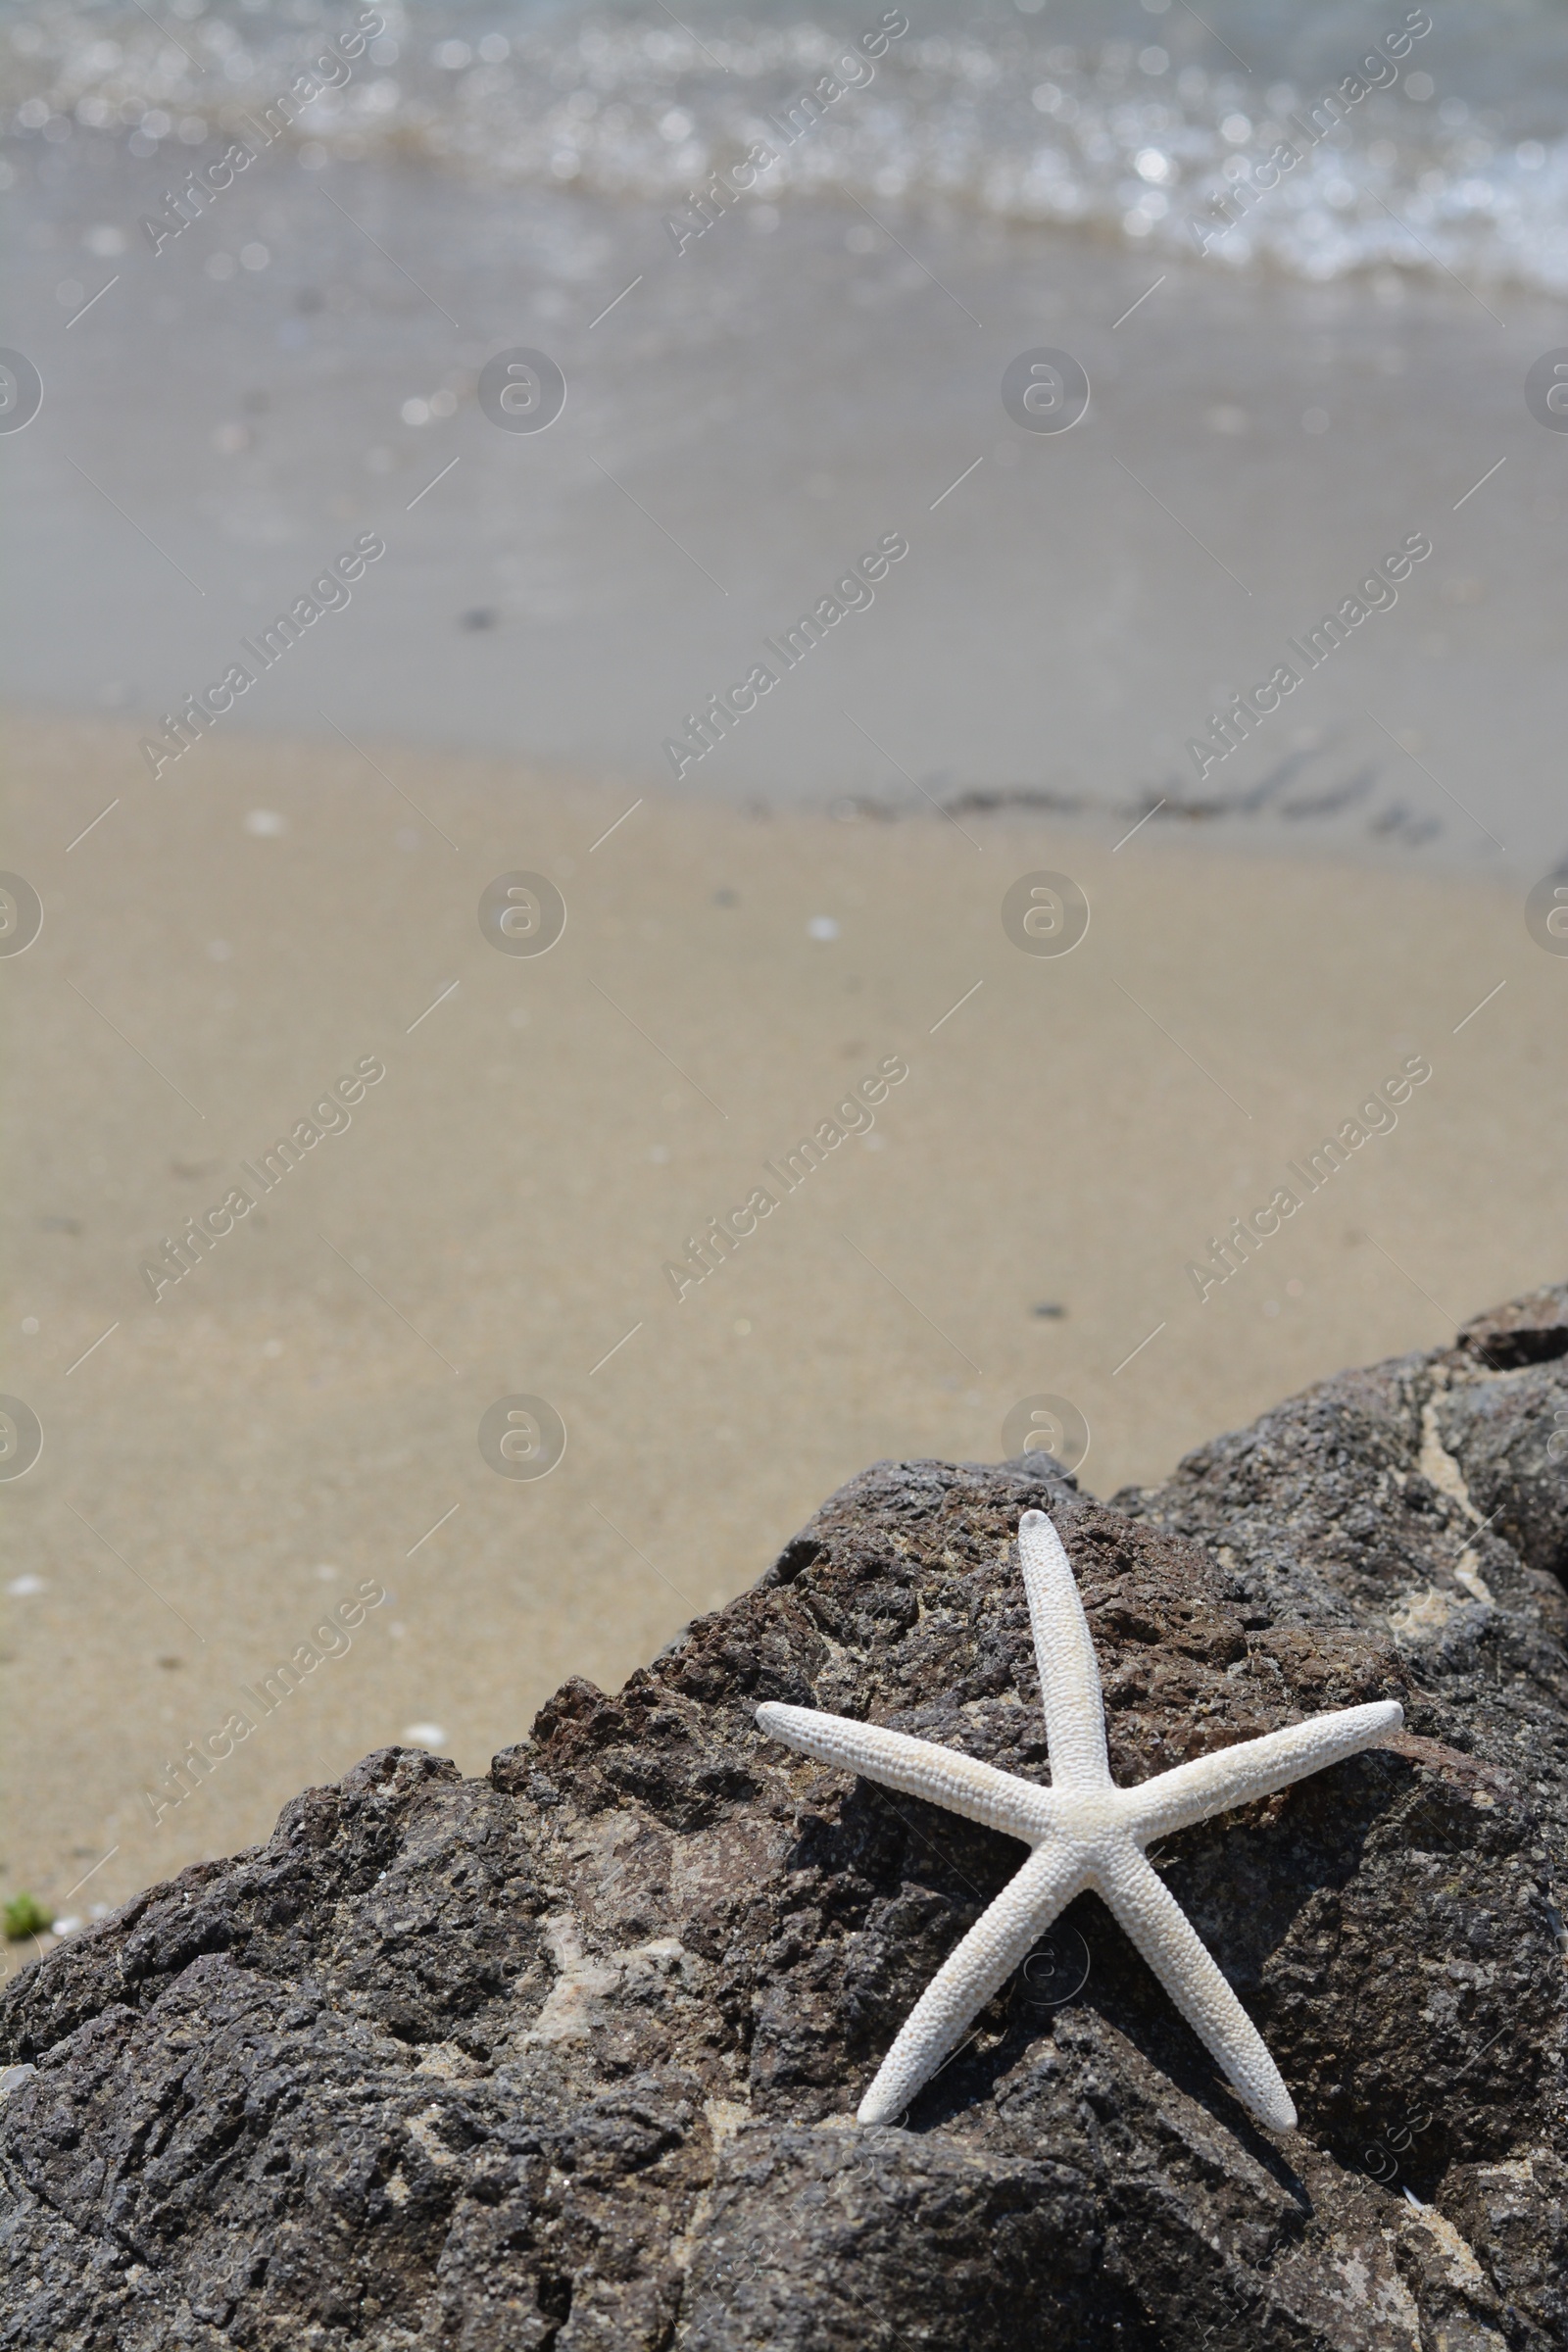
x=297, y=1416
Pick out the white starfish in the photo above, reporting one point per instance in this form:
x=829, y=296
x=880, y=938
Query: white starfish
x=1084, y=1832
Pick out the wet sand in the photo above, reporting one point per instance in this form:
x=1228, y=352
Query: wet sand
x=752, y=418
x=299, y=1412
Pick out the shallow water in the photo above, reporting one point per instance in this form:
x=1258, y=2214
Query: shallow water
x=751, y=408
x=1449, y=152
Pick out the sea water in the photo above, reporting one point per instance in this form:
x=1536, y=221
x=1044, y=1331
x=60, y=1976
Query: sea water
x=1305, y=262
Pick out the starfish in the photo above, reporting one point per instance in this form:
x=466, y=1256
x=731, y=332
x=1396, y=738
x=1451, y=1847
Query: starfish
x=1083, y=1832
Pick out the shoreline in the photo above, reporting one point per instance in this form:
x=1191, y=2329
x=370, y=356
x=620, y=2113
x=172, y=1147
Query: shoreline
x=1230, y=823
x=1072, y=602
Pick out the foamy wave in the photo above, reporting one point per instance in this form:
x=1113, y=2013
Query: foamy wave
x=1118, y=139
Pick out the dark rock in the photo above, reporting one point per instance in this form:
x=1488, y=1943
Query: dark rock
x=1509, y=1437
x=568, y=2056
x=1532, y=1330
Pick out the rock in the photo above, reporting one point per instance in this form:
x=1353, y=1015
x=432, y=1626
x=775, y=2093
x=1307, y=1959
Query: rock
x=1532, y=1330
x=568, y=2056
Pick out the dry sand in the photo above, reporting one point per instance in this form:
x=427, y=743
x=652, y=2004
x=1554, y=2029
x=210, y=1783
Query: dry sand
x=297, y=1413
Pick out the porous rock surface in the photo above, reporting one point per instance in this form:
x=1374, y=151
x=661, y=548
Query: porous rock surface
x=568, y=2056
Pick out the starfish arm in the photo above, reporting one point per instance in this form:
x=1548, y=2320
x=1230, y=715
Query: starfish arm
x=1167, y=1940
x=1070, y=1672
x=1235, y=1776
x=916, y=1767
x=966, y=1980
